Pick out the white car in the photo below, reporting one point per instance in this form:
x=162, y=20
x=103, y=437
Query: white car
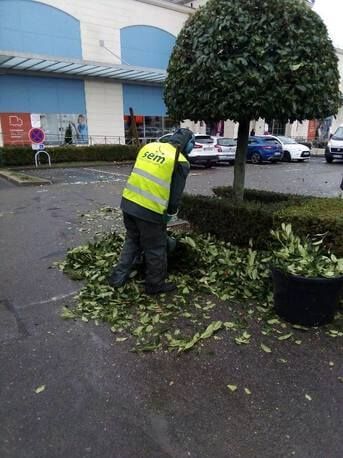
x=334, y=149
x=226, y=149
x=203, y=153
x=292, y=150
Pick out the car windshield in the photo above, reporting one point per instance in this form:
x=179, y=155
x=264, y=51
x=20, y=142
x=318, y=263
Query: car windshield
x=226, y=142
x=338, y=135
x=204, y=139
x=270, y=141
x=287, y=140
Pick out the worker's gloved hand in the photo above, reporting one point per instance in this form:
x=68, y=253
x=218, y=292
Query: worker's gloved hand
x=167, y=218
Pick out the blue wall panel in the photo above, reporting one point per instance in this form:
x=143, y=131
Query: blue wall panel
x=146, y=46
x=30, y=94
x=145, y=100
x=28, y=26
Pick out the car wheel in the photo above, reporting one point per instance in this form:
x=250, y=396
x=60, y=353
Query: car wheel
x=232, y=162
x=208, y=165
x=301, y=160
x=287, y=156
x=329, y=159
x=256, y=158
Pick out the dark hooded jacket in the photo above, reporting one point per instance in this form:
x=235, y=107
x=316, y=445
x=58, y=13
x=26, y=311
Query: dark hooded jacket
x=179, y=139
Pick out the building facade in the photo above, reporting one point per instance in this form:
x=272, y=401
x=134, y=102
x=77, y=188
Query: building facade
x=75, y=68
x=79, y=66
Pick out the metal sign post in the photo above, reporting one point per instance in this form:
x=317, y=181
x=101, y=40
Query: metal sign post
x=37, y=137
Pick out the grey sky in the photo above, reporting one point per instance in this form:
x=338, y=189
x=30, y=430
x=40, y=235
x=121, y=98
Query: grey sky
x=331, y=12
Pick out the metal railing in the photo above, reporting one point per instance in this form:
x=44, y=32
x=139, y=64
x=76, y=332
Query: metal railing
x=52, y=140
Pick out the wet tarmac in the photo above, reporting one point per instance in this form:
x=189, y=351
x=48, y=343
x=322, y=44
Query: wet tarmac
x=100, y=399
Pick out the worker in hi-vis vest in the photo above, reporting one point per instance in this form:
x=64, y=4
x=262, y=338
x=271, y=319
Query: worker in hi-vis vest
x=150, y=199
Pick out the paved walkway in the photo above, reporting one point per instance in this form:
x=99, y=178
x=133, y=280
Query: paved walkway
x=101, y=400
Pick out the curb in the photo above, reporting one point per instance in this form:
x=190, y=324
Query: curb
x=318, y=152
x=20, y=179
x=67, y=165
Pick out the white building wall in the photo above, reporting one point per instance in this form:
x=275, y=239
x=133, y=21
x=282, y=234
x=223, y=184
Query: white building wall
x=339, y=118
x=103, y=19
x=104, y=103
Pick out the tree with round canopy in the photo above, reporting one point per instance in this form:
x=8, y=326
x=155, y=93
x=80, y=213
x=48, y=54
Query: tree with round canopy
x=248, y=59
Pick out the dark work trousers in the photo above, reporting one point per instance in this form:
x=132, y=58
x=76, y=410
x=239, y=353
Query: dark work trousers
x=149, y=238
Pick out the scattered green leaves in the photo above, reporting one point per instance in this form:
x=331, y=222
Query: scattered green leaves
x=232, y=388
x=181, y=321
x=265, y=348
x=39, y=389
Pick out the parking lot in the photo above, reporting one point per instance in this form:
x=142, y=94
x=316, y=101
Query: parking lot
x=99, y=396
x=315, y=177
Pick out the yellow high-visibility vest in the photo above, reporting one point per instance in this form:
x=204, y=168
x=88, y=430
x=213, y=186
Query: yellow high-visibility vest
x=150, y=180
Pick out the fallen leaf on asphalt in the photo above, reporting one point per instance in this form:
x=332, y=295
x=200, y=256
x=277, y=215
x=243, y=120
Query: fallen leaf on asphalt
x=298, y=342
x=299, y=326
x=340, y=379
x=285, y=336
x=247, y=391
x=265, y=348
x=232, y=387
x=40, y=389
x=308, y=397
x=121, y=339
x=331, y=363
x=67, y=314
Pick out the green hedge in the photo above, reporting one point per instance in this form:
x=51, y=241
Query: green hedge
x=253, y=218
x=258, y=195
x=17, y=156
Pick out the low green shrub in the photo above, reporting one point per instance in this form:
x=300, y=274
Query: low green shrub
x=17, y=156
x=233, y=222
x=258, y=195
x=304, y=256
x=316, y=216
x=253, y=219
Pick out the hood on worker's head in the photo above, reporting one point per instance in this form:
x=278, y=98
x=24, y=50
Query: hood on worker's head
x=184, y=138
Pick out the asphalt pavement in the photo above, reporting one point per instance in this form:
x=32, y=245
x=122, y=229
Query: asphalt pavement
x=101, y=400
x=314, y=177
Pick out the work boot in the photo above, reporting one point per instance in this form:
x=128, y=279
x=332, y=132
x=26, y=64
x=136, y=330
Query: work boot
x=159, y=289
x=114, y=282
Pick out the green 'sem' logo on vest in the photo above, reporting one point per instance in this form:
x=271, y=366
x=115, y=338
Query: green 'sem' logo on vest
x=154, y=157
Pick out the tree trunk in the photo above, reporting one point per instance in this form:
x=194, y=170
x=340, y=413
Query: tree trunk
x=241, y=155
x=133, y=128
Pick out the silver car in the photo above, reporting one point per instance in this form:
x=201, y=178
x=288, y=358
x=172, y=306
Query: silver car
x=204, y=153
x=226, y=149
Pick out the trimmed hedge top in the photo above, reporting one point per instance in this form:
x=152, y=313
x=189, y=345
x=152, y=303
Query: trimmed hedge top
x=17, y=156
x=258, y=195
x=262, y=211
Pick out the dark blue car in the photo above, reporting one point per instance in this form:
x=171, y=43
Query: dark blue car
x=263, y=149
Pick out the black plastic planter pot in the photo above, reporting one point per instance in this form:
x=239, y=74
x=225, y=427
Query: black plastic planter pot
x=306, y=301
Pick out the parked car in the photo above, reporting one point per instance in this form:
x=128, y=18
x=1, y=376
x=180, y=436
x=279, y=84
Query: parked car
x=263, y=149
x=292, y=150
x=226, y=149
x=203, y=152
x=334, y=149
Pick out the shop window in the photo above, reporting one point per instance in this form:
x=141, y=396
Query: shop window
x=276, y=128
x=150, y=127
x=169, y=125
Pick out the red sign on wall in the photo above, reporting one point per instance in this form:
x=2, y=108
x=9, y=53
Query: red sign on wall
x=312, y=129
x=15, y=128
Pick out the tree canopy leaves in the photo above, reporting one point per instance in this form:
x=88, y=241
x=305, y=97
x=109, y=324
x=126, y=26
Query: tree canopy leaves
x=253, y=59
